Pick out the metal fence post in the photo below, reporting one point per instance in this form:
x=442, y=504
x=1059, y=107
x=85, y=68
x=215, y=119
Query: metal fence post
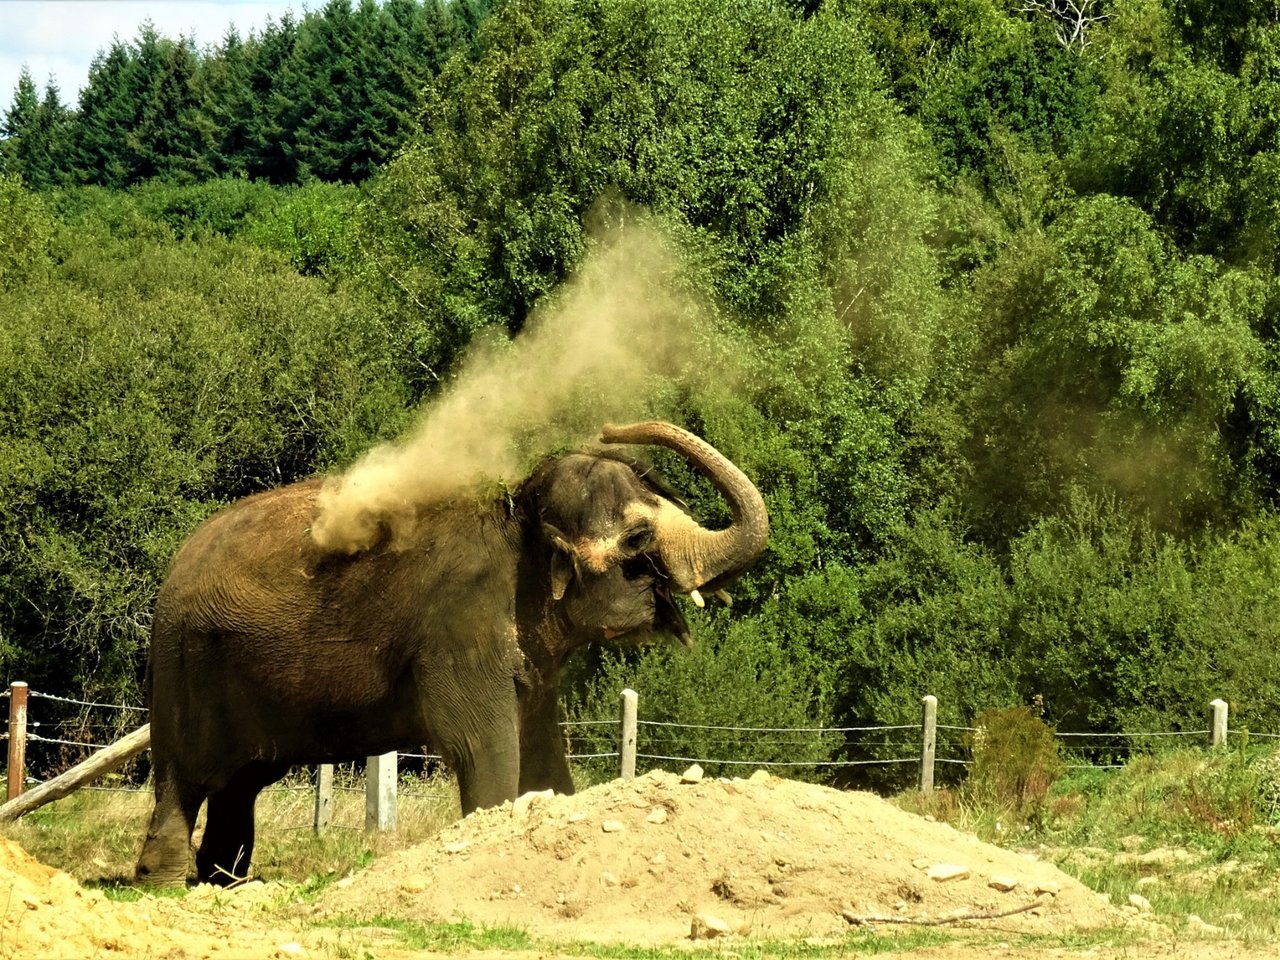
x=324, y=796
x=928, y=742
x=1218, y=723
x=380, y=792
x=627, y=735
x=17, y=737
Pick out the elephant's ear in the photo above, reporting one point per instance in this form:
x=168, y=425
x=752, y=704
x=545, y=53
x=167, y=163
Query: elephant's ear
x=563, y=562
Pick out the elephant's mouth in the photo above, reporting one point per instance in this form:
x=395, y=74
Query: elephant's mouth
x=667, y=617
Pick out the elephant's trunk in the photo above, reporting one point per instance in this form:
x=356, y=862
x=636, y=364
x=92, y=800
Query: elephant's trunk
x=698, y=558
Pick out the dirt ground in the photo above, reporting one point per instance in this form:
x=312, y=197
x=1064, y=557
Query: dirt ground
x=655, y=861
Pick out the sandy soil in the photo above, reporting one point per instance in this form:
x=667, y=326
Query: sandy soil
x=653, y=861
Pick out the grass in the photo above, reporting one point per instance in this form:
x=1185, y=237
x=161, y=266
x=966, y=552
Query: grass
x=95, y=835
x=1194, y=832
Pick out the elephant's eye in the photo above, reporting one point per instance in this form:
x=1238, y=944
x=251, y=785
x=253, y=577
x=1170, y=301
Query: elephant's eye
x=637, y=540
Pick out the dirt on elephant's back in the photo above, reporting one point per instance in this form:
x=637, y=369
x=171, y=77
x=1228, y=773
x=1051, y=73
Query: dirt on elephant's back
x=655, y=859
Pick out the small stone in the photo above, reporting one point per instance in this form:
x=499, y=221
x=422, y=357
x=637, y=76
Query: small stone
x=457, y=846
x=1003, y=882
x=609, y=879
x=415, y=884
x=658, y=859
x=930, y=818
x=521, y=804
x=692, y=775
x=1199, y=926
x=577, y=816
x=706, y=927
x=345, y=882
x=613, y=826
x=1047, y=887
x=920, y=863
x=1148, y=881
x=945, y=872
x=290, y=949
x=760, y=776
x=657, y=815
x=1141, y=903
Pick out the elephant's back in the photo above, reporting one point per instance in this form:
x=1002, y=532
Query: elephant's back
x=252, y=555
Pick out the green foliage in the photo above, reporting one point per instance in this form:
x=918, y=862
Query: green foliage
x=1115, y=364
x=311, y=225
x=1015, y=761
x=144, y=384
x=26, y=232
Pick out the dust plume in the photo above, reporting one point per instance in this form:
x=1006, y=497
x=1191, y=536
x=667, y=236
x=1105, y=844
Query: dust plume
x=589, y=355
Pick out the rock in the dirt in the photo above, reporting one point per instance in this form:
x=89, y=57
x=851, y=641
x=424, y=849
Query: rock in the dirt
x=692, y=775
x=657, y=815
x=1004, y=882
x=521, y=804
x=1047, y=888
x=415, y=884
x=706, y=927
x=290, y=949
x=945, y=872
x=1199, y=926
x=613, y=826
x=1141, y=903
x=760, y=776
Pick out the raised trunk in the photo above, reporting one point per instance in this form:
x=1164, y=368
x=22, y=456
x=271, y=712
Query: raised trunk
x=698, y=558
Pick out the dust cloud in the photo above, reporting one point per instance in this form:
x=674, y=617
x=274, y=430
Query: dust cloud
x=589, y=354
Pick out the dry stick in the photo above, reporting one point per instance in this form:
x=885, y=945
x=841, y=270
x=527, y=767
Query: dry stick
x=932, y=922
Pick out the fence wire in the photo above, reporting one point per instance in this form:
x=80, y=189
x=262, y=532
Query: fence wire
x=812, y=748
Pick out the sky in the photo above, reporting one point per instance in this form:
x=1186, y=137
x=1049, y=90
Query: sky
x=58, y=39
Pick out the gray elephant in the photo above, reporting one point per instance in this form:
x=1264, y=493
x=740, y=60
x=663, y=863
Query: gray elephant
x=267, y=651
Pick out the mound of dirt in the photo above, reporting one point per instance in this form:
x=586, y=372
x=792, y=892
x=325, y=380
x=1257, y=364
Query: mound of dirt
x=47, y=914
x=660, y=858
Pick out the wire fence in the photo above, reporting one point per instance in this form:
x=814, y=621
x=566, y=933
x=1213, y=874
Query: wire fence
x=62, y=731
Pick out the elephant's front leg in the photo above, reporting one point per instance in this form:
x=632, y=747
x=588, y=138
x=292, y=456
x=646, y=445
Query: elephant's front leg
x=543, y=765
x=479, y=737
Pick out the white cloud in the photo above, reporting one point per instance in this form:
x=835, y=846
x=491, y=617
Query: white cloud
x=58, y=39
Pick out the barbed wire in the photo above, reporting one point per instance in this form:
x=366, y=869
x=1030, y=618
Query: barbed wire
x=777, y=763
x=697, y=726
x=86, y=703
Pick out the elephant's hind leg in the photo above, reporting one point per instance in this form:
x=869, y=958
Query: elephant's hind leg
x=166, y=853
x=227, y=846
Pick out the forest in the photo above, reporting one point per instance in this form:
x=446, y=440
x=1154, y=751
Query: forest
x=982, y=293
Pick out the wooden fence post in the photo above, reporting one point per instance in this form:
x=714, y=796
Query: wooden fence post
x=627, y=735
x=380, y=792
x=324, y=796
x=928, y=742
x=17, y=738
x=1218, y=723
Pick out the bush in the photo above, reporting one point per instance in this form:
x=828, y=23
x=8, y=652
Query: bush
x=1015, y=761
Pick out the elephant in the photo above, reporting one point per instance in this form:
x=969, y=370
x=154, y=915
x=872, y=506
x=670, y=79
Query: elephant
x=267, y=651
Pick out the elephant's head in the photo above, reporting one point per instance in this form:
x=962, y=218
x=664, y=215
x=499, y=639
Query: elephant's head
x=621, y=545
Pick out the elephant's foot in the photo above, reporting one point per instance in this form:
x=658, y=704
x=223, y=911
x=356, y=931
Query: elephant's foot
x=159, y=867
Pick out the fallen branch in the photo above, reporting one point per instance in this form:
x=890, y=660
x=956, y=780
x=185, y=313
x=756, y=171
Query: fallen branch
x=103, y=761
x=857, y=921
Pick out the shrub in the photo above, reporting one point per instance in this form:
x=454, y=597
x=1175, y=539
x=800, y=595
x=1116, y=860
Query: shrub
x=1015, y=760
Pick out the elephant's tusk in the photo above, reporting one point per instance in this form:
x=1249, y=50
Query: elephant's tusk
x=723, y=597
x=696, y=597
